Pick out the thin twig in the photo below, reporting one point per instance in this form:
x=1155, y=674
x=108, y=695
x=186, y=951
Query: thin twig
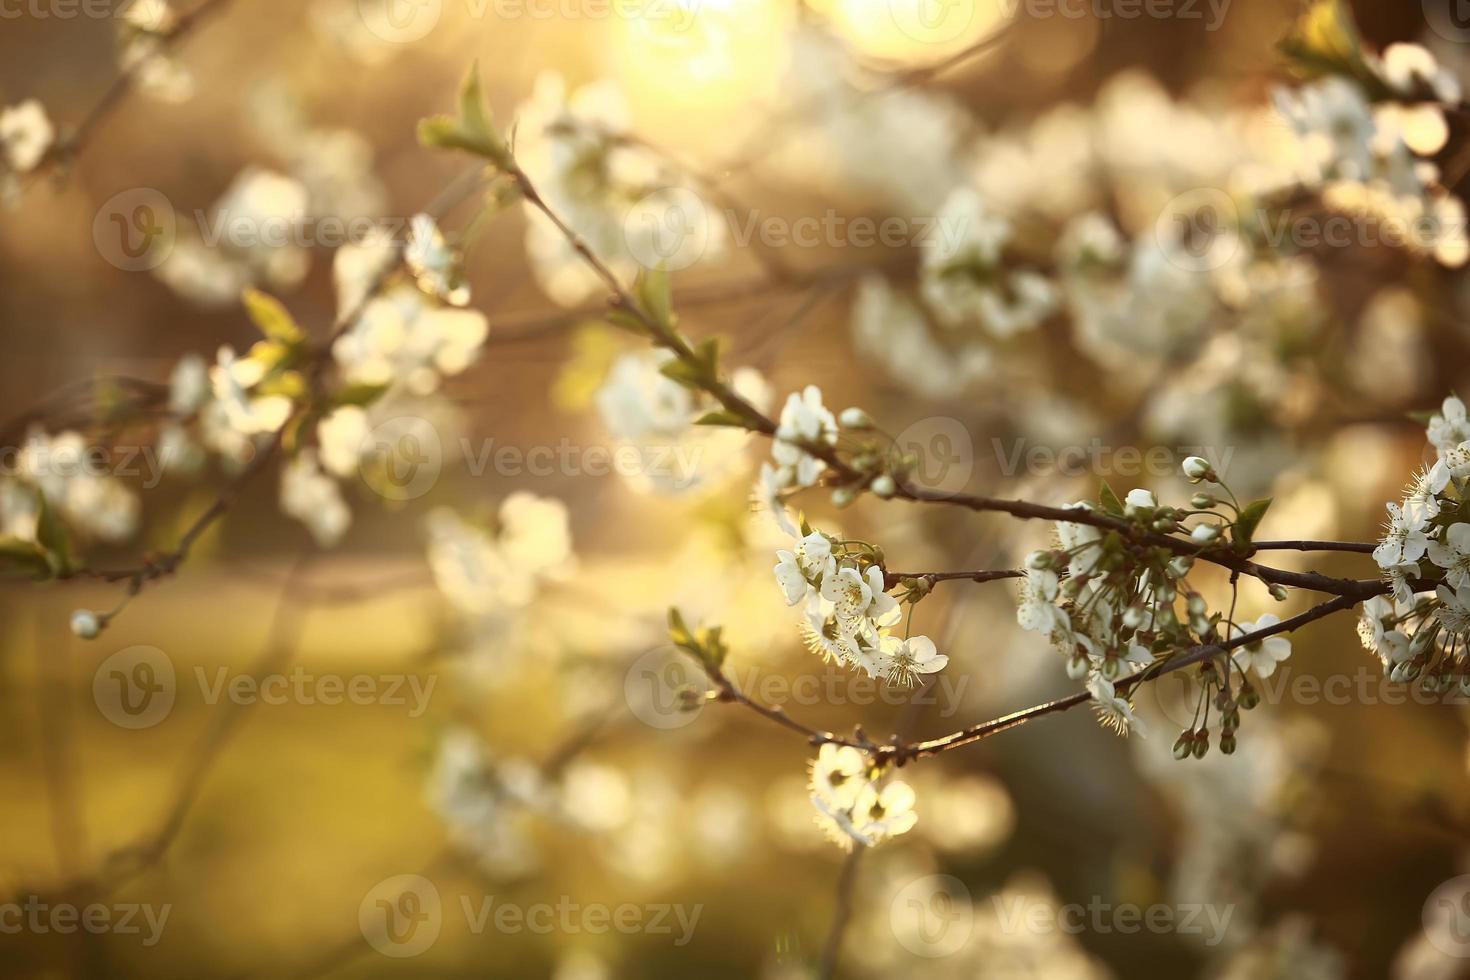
x=846, y=880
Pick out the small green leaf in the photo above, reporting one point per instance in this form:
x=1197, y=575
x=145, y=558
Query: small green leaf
x=688, y=375
x=21, y=557
x=678, y=630
x=360, y=394
x=627, y=321
x=273, y=319
x=724, y=418
x=655, y=295
x=1250, y=518
x=474, y=118
x=1109, y=500
x=52, y=537
x=708, y=353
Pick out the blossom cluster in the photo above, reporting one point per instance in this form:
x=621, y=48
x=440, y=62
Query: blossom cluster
x=1420, y=631
x=1109, y=597
x=855, y=804
x=848, y=615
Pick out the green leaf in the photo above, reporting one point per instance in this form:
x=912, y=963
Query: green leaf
x=361, y=394
x=272, y=317
x=688, y=375
x=1109, y=500
x=474, y=117
x=708, y=353
x=627, y=321
x=656, y=295
x=679, y=630
x=724, y=418
x=1422, y=417
x=1250, y=518
x=52, y=537
x=21, y=557
x=473, y=132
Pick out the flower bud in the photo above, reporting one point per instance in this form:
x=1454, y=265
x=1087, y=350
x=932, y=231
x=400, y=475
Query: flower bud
x=1227, y=744
x=86, y=624
x=1278, y=592
x=855, y=418
x=1248, y=698
x=1203, y=501
x=843, y=496
x=1038, y=561
x=1204, y=533
x=1201, y=743
x=884, y=486
x=1184, y=744
x=1197, y=468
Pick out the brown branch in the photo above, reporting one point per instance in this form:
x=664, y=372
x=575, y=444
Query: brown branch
x=890, y=579
x=846, y=881
x=67, y=150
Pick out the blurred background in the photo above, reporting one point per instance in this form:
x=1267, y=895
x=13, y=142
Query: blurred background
x=532, y=749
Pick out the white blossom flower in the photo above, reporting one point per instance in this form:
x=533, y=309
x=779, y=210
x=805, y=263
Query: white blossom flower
x=1450, y=427
x=433, y=263
x=1113, y=711
x=188, y=387
x=1404, y=541
x=882, y=813
x=1454, y=610
x=796, y=570
x=1260, y=656
x=26, y=134
x=314, y=499
x=404, y=338
x=859, y=603
x=911, y=657
x=232, y=379
x=838, y=774
x=1410, y=68
x=342, y=434
x=1453, y=555
x=804, y=419
x=1390, y=645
